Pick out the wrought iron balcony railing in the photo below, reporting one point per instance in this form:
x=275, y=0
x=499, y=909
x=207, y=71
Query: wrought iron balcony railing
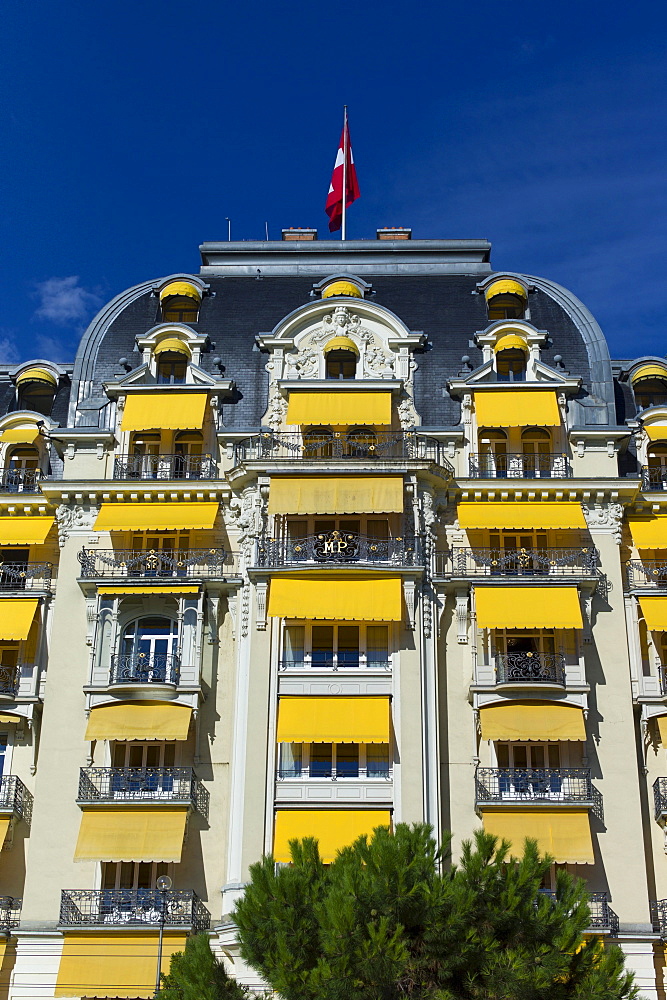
x=654, y=478
x=15, y=796
x=157, y=564
x=530, y=668
x=362, y=446
x=660, y=796
x=165, y=467
x=142, y=784
x=10, y=912
x=343, y=660
x=519, y=466
x=10, y=678
x=20, y=480
x=132, y=908
x=647, y=573
x=379, y=769
x=603, y=917
x=145, y=668
x=659, y=917
x=338, y=548
x=25, y=576
x=465, y=562
x=528, y=784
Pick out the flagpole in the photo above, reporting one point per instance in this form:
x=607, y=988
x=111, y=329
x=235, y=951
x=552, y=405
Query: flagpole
x=344, y=219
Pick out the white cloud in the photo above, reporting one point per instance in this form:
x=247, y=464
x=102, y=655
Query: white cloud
x=9, y=352
x=64, y=301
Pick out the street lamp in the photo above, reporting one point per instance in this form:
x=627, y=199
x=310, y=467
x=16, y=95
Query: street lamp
x=163, y=885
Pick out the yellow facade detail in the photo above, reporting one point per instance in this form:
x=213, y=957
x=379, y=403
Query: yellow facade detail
x=156, y=516
x=155, y=589
x=565, y=834
x=339, y=408
x=536, y=720
x=131, y=834
x=525, y=516
x=145, y=720
x=517, y=408
x=113, y=964
x=24, y=530
x=329, y=495
x=16, y=617
x=505, y=286
x=333, y=720
x=341, y=344
x=528, y=607
x=656, y=432
x=336, y=597
x=341, y=288
x=173, y=411
x=334, y=828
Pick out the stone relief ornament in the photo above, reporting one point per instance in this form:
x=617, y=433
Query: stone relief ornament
x=601, y=516
x=248, y=516
x=407, y=414
x=302, y=364
x=71, y=517
x=277, y=408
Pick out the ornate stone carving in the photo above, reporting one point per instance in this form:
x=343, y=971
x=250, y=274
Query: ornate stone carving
x=302, y=364
x=72, y=517
x=462, y=615
x=606, y=517
x=261, y=588
x=248, y=516
x=407, y=414
x=277, y=408
x=409, y=597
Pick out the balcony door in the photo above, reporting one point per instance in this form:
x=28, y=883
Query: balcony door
x=536, y=452
x=519, y=762
x=22, y=470
x=493, y=454
x=133, y=875
x=148, y=649
x=512, y=553
x=657, y=467
x=146, y=780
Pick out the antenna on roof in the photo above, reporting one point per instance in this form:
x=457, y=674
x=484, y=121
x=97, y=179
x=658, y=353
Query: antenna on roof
x=266, y=226
x=229, y=229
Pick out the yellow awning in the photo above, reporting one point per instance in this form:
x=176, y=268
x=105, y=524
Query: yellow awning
x=180, y=288
x=11, y=720
x=4, y=827
x=525, y=516
x=517, y=408
x=122, y=834
x=656, y=432
x=332, y=719
x=565, y=834
x=341, y=344
x=169, y=411
x=511, y=342
x=649, y=532
x=344, y=408
x=16, y=618
x=341, y=288
x=528, y=607
x=336, y=597
x=37, y=375
x=328, y=495
x=173, y=344
x=155, y=516
x=20, y=435
x=139, y=720
x=155, y=589
x=24, y=530
x=333, y=828
x=505, y=286
x=113, y=964
x=649, y=371
x=533, y=720
x=654, y=610
x=662, y=728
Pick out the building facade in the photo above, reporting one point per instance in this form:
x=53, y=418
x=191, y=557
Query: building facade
x=324, y=537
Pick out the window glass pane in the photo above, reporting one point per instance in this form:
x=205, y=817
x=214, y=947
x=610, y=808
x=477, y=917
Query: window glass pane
x=503, y=755
x=290, y=760
x=322, y=654
x=348, y=645
x=294, y=642
x=377, y=760
x=347, y=760
x=377, y=644
x=320, y=760
x=378, y=528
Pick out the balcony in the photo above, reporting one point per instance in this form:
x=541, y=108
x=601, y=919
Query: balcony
x=25, y=576
x=540, y=563
x=165, y=467
x=132, y=669
x=530, y=668
x=15, y=799
x=507, y=785
x=361, y=448
x=138, y=785
x=519, y=466
x=10, y=679
x=10, y=913
x=348, y=660
x=647, y=573
x=126, y=908
x=326, y=783
x=660, y=799
x=155, y=564
x=654, y=479
x=603, y=917
x=339, y=548
x=20, y=481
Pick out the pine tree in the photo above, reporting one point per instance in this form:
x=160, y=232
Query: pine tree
x=196, y=974
x=392, y=919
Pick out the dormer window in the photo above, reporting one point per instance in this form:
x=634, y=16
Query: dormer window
x=650, y=386
x=506, y=299
x=172, y=356
x=341, y=356
x=36, y=390
x=180, y=302
x=511, y=358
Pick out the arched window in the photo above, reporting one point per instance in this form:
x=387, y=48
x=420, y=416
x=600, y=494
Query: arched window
x=511, y=358
x=536, y=450
x=22, y=470
x=171, y=368
x=361, y=442
x=650, y=392
x=657, y=467
x=180, y=302
x=341, y=354
x=149, y=652
x=36, y=390
x=188, y=455
x=506, y=299
x=492, y=458
x=318, y=442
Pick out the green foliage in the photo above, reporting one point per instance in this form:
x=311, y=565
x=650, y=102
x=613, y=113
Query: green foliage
x=391, y=920
x=196, y=974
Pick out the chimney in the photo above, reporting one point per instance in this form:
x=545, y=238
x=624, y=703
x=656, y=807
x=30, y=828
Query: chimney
x=299, y=234
x=394, y=233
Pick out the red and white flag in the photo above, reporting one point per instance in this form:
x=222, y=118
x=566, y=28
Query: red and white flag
x=344, y=174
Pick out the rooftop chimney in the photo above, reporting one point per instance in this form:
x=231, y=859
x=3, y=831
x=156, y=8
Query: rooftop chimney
x=394, y=233
x=299, y=234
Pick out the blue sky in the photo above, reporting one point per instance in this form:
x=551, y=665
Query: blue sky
x=132, y=130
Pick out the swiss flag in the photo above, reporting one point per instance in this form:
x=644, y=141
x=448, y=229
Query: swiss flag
x=334, y=205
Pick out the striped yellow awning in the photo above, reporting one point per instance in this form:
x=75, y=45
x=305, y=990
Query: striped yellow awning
x=511, y=342
x=169, y=411
x=533, y=720
x=37, y=375
x=139, y=720
x=339, y=408
x=525, y=516
x=330, y=495
x=335, y=596
x=114, y=964
x=528, y=607
x=156, y=588
x=24, y=530
x=333, y=828
x=565, y=834
x=333, y=719
x=341, y=344
x=20, y=435
x=156, y=516
x=123, y=834
x=517, y=408
x=16, y=617
x=649, y=371
x=173, y=345
x=656, y=432
x=505, y=286
x=654, y=610
x=649, y=532
x=180, y=288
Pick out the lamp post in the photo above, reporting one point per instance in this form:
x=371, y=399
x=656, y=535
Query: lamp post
x=163, y=885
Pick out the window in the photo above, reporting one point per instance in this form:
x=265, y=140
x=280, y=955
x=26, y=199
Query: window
x=528, y=755
x=132, y=874
x=22, y=470
x=493, y=453
x=171, y=368
x=341, y=365
x=657, y=467
x=334, y=760
x=318, y=442
x=536, y=451
x=3, y=752
x=180, y=309
x=506, y=307
x=143, y=755
x=508, y=642
x=334, y=647
x=188, y=455
x=511, y=365
x=650, y=392
x=361, y=442
x=511, y=553
x=36, y=396
x=148, y=651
